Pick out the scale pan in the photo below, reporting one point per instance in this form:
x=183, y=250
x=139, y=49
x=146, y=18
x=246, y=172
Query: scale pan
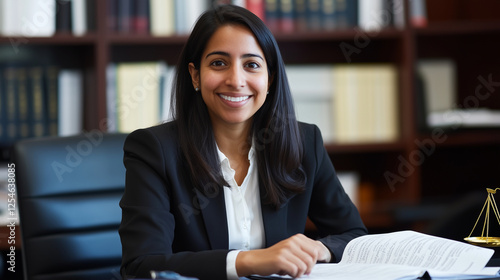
x=484, y=241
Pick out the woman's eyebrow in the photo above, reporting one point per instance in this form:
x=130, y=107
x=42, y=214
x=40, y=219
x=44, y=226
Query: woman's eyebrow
x=228, y=55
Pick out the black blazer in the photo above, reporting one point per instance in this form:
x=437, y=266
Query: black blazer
x=168, y=225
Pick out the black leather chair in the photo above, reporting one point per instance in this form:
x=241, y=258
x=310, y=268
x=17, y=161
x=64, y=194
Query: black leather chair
x=68, y=193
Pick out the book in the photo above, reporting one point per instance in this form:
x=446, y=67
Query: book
x=11, y=112
x=329, y=14
x=24, y=120
x=137, y=95
x=125, y=13
x=257, y=7
x=112, y=15
x=407, y=255
x=70, y=103
x=418, y=13
x=38, y=100
x=79, y=25
x=312, y=91
x=373, y=15
x=27, y=18
x=350, y=183
x=439, y=84
x=365, y=103
x=64, y=16
x=162, y=17
x=346, y=13
x=111, y=100
x=465, y=118
x=286, y=16
x=51, y=95
x=167, y=75
x=272, y=14
x=140, y=16
x=314, y=14
x=187, y=12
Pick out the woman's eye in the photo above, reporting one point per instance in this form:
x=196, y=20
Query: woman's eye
x=253, y=65
x=217, y=63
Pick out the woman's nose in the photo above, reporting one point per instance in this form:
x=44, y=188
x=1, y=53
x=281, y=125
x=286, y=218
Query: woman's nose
x=235, y=77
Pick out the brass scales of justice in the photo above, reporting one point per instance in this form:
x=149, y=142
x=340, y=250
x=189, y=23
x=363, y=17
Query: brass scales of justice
x=485, y=240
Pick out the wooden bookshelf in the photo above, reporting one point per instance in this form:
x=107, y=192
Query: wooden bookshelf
x=465, y=31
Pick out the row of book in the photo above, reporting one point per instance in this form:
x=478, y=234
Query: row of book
x=350, y=103
x=38, y=101
x=168, y=17
x=44, y=18
x=138, y=94
x=41, y=18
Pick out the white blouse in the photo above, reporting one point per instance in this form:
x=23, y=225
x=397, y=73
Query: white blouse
x=244, y=216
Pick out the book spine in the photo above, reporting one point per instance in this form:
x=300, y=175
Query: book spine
x=64, y=16
x=12, y=105
x=125, y=15
x=91, y=15
x=79, y=17
x=301, y=15
x=24, y=127
x=347, y=11
x=140, y=18
x=38, y=101
x=38, y=18
x=418, y=13
x=314, y=16
x=70, y=97
x=287, y=16
x=272, y=14
x=162, y=17
x=9, y=18
x=52, y=99
x=329, y=15
x=112, y=18
x=257, y=7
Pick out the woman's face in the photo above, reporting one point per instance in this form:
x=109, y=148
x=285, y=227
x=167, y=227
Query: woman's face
x=232, y=78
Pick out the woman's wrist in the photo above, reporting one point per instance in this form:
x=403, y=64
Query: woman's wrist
x=243, y=263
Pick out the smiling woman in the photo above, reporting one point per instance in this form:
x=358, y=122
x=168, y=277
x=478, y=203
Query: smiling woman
x=232, y=76
x=225, y=189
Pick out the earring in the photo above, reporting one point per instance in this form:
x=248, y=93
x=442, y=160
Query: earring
x=267, y=92
x=197, y=89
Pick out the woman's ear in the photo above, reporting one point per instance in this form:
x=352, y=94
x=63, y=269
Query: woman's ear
x=195, y=75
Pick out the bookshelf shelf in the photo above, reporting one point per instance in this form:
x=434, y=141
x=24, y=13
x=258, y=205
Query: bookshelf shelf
x=364, y=148
x=145, y=39
x=338, y=35
x=58, y=39
x=463, y=31
x=459, y=28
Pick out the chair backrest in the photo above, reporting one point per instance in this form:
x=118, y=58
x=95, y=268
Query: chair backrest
x=68, y=194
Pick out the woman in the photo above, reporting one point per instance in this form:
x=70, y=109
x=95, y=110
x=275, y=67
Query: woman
x=225, y=189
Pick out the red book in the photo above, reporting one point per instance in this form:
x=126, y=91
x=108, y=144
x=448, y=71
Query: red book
x=258, y=7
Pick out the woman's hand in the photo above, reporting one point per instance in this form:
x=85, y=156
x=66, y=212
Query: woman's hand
x=294, y=256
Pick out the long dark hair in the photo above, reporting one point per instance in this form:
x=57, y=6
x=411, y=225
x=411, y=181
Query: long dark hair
x=275, y=132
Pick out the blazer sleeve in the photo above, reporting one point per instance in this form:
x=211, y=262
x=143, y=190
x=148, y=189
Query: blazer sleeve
x=148, y=224
x=331, y=209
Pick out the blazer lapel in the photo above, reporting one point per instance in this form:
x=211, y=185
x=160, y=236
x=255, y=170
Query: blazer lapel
x=213, y=209
x=274, y=221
